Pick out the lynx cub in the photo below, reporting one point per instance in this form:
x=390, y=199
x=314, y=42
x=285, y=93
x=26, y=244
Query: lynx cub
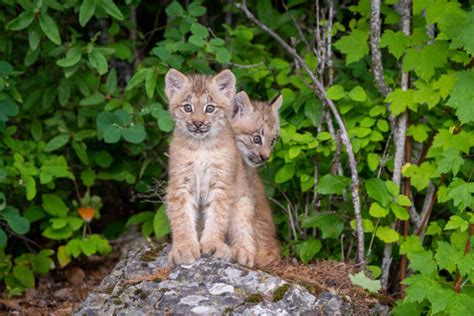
x=256, y=127
x=206, y=173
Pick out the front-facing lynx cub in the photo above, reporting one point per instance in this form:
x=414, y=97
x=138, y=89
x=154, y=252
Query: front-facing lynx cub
x=256, y=127
x=203, y=166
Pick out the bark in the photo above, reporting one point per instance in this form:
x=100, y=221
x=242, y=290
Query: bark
x=400, y=138
x=321, y=92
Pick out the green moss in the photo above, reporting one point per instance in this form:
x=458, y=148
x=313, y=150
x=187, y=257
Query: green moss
x=117, y=301
x=151, y=254
x=228, y=311
x=280, y=292
x=254, y=298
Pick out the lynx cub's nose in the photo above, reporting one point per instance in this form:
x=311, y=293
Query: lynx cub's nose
x=198, y=124
x=263, y=157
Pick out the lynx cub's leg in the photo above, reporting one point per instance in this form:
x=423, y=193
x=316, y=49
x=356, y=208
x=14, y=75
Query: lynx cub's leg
x=182, y=215
x=242, y=231
x=216, y=224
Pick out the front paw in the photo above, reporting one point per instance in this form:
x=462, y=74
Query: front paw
x=218, y=248
x=184, y=253
x=244, y=255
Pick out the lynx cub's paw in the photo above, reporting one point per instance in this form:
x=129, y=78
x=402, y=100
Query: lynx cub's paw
x=244, y=255
x=218, y=248
x=184, y=253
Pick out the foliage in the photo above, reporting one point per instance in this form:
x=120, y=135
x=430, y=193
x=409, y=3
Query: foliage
x=84, y=130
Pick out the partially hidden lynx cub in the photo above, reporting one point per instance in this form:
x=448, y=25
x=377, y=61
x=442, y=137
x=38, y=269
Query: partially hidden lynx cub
x=206, y=172
x=256, y=127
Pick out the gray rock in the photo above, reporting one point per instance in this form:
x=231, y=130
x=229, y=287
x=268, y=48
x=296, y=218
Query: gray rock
x=207, y=287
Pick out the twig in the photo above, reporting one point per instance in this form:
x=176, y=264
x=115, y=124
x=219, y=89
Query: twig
x=399, y=137
x=458, y=284
x=321, y=92
x=426, y=216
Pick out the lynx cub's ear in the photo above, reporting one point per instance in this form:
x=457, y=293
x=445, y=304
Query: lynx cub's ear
x=174, y=81
x=242, y=105
x=276, y=105
x=225, y=82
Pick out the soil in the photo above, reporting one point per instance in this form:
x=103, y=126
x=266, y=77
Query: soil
x=60, y=293
x=332, y=276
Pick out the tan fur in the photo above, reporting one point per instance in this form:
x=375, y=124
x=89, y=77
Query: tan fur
x=206, y=174
x=201, y=169
x=251, y=119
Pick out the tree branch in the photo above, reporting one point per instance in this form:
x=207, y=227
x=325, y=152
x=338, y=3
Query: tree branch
x=321, y=92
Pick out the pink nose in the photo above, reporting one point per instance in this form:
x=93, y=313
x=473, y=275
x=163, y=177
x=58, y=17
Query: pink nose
x=198, y=124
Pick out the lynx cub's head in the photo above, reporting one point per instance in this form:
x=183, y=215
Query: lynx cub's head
x=256, y=127
x=199, y=104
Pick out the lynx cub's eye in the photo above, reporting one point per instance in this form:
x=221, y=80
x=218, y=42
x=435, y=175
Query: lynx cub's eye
x=210, y=108
x=257, y=139
x=188, y=108
x=273, y=141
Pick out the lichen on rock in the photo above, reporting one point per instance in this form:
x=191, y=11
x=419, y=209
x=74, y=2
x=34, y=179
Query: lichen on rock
x=206, y=287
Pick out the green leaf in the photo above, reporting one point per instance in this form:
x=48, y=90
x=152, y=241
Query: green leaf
x=423, y=261
x=419, y=132
x=197, y=40
x=400, y=100
x=174, y=9
x=111, y=82
x=195, y=9
x=330, y=184
x=73, y=248
x=137, y=78
x=81, y=151
x=93, y=99
x=420, y=175
x=88, y=246
x=457, y=222
x=57, y=142
x=34, y=37
x=331, y=226
x=461, y=193
x=73, y=56
x=308, y=249
x=98, y=61
x=285, y=174
x=376, y=210
x=50, y=29
x=354, y=45
x=150, y=83
x=37, y=130
x=160, y=223
x=424, y=61
x=111, y=9
x=134, y=134
x=396, y=42
x=199, y=30
x=403, y=200
x=387, y=234
x=86, y=11
x=223, y=55
x=462, y=96
x=17, y=223
x=451, y=160
x=447, y=256
x=22, y=21
x=139, y=218
x=366, y=224
x=30, y=186
x=358, y=94
x=41, y=262
x=336, y=92
x=25, y=276
x=366, y=283
x=54, y=205
x=377, y=190
x=400, y=212
x=112, y=134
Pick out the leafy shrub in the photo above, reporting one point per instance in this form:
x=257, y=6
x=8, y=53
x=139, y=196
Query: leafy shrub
x=83, y=122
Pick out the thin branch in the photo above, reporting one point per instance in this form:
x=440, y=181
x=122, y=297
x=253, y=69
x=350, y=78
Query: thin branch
x=399, y=137
x=377, y=66
x=458, y=285
x=321, y=92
